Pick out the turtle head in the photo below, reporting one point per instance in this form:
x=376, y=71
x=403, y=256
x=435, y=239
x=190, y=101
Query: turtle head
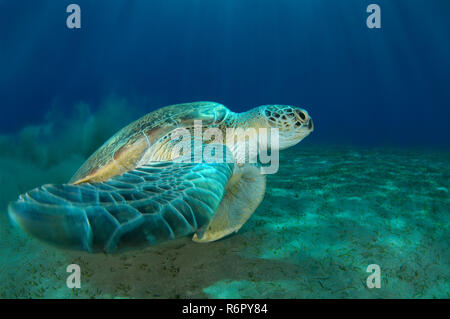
x=294, y=123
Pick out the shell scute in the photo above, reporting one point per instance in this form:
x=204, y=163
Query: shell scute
x=123, y=151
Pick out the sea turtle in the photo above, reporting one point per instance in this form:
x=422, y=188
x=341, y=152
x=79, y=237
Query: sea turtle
x=133, y=192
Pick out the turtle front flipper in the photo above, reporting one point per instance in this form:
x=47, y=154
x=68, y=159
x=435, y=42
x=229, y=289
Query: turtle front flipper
x=153, y=203
x=243, y=194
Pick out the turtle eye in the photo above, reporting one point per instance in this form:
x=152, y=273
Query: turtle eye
x=300, y=114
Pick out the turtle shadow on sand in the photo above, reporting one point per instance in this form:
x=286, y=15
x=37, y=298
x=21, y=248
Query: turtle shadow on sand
x=177, y=269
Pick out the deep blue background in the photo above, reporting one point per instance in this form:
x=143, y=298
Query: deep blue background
x=388, y=86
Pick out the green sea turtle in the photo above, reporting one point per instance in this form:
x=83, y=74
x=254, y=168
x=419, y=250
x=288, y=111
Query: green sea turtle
x=131, y=192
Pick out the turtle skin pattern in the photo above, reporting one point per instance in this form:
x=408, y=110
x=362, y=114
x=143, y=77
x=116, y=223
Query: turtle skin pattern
x=153, y=203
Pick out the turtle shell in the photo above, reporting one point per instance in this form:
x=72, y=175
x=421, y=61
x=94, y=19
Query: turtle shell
x=123, y=151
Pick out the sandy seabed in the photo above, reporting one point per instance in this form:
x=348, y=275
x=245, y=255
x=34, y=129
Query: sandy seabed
x=327, y=214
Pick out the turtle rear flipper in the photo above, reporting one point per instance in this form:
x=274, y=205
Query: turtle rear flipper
x=153, y=203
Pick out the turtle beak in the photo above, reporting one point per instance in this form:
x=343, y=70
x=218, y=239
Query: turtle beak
x=311, y=125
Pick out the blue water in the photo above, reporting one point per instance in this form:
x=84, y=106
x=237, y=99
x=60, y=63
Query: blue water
x=369, y=86
x=380, y=100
